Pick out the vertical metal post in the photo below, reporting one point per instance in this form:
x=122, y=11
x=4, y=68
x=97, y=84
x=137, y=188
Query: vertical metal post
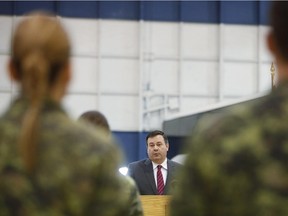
x=99, y=64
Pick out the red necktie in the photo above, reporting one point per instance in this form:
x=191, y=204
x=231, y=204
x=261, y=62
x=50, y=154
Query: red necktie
x=160, y=181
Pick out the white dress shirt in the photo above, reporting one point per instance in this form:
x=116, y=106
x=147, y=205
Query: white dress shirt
x=164, y=171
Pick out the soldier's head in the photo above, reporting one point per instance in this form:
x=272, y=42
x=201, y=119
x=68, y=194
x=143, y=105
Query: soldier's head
x=40, y=56
x=97, y=119
x=40, y=64
x=157, y=146
x=277, y=39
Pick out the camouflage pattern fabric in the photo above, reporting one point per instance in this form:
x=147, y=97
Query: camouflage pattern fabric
x=239, y=165
x=76, y=172
x=132, y=194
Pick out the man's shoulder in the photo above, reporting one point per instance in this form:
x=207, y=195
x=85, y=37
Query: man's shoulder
x=136, y=167
x=79, y=133
x=139, y=162
x=174, y=163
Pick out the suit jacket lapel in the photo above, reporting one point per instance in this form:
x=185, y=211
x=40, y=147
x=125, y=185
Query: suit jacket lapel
x=169, y=177
x=150, y=175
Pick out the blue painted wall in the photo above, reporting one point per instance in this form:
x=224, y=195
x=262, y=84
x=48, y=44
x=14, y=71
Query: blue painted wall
x=230, y=12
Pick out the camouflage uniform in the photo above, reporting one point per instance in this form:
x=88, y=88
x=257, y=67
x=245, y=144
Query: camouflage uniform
x=238, y=165
x=132, y=194
x=76, y=172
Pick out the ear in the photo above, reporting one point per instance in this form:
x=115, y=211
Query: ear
x=59, y=87
x=12, y=71
x=271, y=44
x=167, y=145
x=67, y=73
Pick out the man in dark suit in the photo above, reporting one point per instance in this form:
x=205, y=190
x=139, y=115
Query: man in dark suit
x=155, y=175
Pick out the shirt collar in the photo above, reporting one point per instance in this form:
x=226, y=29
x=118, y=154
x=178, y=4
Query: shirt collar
x=164, y=164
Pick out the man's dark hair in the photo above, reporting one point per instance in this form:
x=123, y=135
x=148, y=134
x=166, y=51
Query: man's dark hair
x=155, y=133
x=279, y=24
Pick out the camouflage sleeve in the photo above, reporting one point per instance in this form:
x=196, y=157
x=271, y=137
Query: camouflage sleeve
x=133, y=198
x=76, y=174
x=215, y=172
x=91, y=167
x=108, y=184
x=234, y=168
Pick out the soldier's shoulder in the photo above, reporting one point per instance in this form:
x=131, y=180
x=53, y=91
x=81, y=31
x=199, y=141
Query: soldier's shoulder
x=76, y=132
x=137, y=163
x=78, y=139
x=130, y=181
x=131, y=194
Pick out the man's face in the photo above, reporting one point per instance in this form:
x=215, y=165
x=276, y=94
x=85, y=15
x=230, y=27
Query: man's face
x=157, y=149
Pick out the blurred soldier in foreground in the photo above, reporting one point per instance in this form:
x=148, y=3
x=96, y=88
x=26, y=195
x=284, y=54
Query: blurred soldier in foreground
x=131, y=194
x=239, y=165
x=50, y=165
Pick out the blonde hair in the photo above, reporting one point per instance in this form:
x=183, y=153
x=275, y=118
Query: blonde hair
x=40, y=49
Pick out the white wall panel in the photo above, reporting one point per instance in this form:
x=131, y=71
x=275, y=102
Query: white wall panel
x=164, y=77
x=76, y=104
x=84, y=75
x=232, y=100
x=121, y=111
x=200, y=78
x=240, y=42
x=155, y=101
x=200, y=41
x=191, y=103
x=153, y=121
x=164, y=38
x=15, y=88
x=5, y=33
x=109, y=80
x=120, y=76
x=239, y=79
x=5, y=99
x=5, y=82
x=83, y=35
x=119, y=37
